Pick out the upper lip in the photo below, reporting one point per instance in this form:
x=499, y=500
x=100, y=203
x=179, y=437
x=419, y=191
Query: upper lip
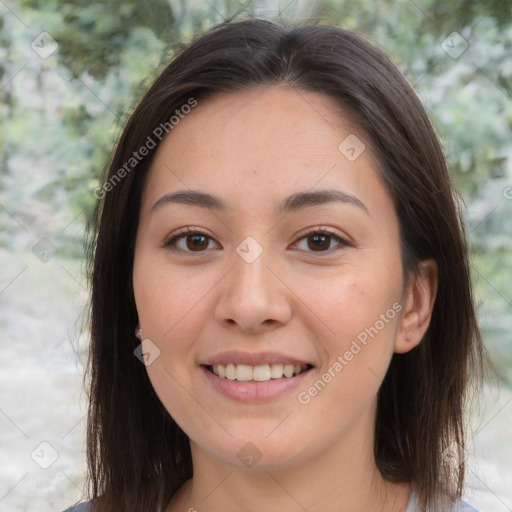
x=252, y=359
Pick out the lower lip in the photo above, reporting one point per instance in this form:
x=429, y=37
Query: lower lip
x=254, y=391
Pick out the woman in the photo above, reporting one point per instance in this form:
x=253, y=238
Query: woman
x=282, y=315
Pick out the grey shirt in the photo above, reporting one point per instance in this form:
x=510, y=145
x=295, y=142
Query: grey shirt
x=412, y=506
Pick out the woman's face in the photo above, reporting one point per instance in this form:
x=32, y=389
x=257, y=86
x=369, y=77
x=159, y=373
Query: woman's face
x=294, y=265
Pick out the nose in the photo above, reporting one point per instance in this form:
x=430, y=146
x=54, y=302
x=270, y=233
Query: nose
x=253, y=297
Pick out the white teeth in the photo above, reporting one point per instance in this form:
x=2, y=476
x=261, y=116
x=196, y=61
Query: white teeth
x=243, y=372
x=230, y=371
x=260, y=373
x=276, y=371
x=288, y=370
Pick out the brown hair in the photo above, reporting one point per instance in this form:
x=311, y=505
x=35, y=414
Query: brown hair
x=138, y=456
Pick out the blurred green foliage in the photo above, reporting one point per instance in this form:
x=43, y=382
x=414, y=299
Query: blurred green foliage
x=60, y=116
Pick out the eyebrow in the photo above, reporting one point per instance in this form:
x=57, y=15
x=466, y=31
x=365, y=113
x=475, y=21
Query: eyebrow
x=293, y=203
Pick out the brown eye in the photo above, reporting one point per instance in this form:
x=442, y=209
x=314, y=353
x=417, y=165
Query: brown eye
x=189, y=241
x=321, y=241
x=196, y=242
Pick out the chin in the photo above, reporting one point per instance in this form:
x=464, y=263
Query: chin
x=257, y=453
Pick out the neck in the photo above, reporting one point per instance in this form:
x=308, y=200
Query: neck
x=343, y=478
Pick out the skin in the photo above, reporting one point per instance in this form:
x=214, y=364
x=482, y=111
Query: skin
x=254, y=149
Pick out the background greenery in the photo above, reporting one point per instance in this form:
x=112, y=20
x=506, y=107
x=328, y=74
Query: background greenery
x=60, y=116
x=59, y=119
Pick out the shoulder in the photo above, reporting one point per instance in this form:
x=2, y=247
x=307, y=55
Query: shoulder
x=462, y=506
x=80, y=507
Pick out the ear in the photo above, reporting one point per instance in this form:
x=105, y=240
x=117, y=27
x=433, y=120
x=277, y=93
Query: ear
x=419, y=297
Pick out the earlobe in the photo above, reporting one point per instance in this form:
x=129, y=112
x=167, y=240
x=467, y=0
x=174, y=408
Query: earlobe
x=419, y=298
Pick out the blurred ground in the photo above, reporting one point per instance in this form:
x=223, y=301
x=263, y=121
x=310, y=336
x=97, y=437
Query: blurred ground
x=41, y=400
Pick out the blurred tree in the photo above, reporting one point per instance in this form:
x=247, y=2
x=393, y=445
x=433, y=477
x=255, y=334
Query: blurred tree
x=61, y=115
x=94, y=36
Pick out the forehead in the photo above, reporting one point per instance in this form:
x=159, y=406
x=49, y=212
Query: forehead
x=270, y=141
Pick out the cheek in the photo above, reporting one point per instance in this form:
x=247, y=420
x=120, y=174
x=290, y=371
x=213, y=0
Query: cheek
x=168, y=300
x=346, y=303
x=356, y=355
x=359, y=313
x=171, y=308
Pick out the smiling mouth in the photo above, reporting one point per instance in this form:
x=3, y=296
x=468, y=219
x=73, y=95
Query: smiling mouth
x=259, y=373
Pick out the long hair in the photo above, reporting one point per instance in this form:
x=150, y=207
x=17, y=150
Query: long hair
x=138, y=456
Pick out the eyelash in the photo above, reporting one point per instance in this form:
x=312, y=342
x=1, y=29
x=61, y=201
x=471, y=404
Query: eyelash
x=186, y=232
